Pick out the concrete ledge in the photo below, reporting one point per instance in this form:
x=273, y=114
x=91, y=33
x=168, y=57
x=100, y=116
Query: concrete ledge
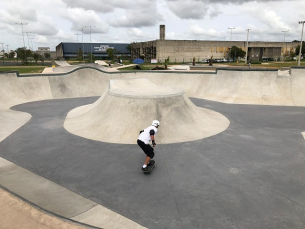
x=17, y=212
x=58, y=202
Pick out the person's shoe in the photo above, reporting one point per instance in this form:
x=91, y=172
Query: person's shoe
x=151, y=162
x=145, y=169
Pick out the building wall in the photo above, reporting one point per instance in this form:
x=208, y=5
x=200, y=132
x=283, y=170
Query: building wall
x=186, y=50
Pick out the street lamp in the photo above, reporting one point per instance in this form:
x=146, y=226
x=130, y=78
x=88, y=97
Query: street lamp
x=90, y=40
x=299, y=62
x=77, y=34
x=285, y=31
x=22, y=31
x=247, y=44
x=27, y=35
x=7, y=49
x=32, y=38
x=231, y=40
x=231, y=32
x=83, y=42
x=3, y=53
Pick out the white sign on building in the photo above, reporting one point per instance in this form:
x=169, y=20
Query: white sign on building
x=102, y=48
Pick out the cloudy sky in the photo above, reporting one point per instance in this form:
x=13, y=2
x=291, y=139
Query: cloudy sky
x=50, y=22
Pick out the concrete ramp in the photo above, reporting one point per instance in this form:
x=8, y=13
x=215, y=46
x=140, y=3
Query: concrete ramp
x=130, y=105
x=62, y=63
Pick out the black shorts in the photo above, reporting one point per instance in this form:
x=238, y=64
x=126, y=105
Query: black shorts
x=148, y=150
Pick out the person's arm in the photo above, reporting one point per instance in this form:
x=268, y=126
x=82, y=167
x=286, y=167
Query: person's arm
x=152, y=136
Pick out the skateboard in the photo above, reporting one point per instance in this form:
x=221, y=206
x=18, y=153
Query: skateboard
x=150, y=166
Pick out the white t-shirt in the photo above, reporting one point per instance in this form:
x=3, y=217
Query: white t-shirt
x=145, y=135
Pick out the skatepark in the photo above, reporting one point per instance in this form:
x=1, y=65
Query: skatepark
x=230, y=148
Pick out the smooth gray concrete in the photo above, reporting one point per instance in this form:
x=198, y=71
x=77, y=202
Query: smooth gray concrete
x=249, y=176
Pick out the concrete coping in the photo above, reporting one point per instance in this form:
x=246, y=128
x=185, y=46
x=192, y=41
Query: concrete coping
x=141, y=88
x=246, y=69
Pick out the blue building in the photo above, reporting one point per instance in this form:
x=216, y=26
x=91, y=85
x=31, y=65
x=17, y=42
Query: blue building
x=68, y=50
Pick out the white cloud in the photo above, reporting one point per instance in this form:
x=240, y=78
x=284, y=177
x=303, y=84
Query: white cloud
x=81, y=18
x=138, y=18
x=106, y=6
x=191, y=9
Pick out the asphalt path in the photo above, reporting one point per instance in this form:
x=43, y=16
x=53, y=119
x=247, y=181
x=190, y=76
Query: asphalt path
x=249, y=176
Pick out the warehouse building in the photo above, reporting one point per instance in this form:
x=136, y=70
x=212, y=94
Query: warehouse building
x=186, y=50
x=68, y=50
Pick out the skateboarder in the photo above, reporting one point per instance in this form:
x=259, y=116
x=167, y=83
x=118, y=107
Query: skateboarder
x=144, y=138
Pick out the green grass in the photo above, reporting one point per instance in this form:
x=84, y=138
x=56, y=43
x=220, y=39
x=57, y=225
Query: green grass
x=23, y=69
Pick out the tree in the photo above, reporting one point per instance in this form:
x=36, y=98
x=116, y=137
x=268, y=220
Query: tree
x=24, y=55
x=90, y=57
x=79, y=55
x=236, y=52
x=11, y=55
x=128, y=47
x=41, y=58
x=297, y=49
x=36, y=57
x=111, y=53
x=47, y=55
x=166, y=61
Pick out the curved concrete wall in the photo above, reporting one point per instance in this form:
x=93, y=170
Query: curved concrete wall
x=229, y=86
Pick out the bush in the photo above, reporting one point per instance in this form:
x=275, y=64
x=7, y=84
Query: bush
x=256, y=62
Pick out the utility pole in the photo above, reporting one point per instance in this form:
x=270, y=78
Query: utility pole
x=90, y=41
x=231, y=32
x=83, y=42
x=3, y=53
x=299, y=62
x=285, y=31
x=27, y=35
x=7, y=50
x=247, y=45
x=32, y=38
x=77, y=34
x=231, y=39
x=22, y=31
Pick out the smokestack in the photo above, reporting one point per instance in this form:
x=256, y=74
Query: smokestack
x=162, y=32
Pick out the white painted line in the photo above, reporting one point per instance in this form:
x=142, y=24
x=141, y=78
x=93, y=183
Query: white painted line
x=303, y=133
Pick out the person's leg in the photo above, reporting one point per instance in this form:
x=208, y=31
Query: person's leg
x=147, y=150
x=147, y=160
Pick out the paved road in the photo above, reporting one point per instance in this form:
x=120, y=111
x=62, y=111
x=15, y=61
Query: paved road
x=250, y=176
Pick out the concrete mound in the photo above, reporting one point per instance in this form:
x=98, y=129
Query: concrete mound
x=129, y=105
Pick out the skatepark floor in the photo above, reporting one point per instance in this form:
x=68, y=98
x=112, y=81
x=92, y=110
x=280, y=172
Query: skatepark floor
x=249, y=176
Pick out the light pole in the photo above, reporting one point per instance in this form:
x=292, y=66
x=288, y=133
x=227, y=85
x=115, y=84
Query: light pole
x=77, y=34
x=7, y=50
x=27, y=35
x=83, y=42
x=231, y=32
x=285, y=31
x=247, y=44
x=231, y=39
x=32, y=38
x=90, y=41
x=3, y=53
x=22, y=31
x=299, y=62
